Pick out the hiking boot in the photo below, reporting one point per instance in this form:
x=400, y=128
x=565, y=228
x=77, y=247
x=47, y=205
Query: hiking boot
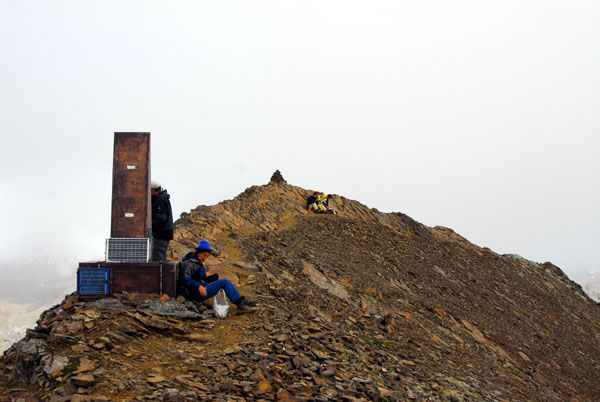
x=245, y=306
x=245, y=302
x=243, y=309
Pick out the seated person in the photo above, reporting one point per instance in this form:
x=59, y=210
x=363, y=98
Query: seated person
x=192, y=276
x=311, y=202
x=323, y=203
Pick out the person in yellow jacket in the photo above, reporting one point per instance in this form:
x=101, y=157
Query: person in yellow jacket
x=319, y=203
x=323, y=203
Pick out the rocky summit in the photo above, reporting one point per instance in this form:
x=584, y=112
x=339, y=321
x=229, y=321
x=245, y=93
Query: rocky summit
x=358, y=306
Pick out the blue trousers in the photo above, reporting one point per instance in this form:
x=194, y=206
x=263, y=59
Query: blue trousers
x=213, y=288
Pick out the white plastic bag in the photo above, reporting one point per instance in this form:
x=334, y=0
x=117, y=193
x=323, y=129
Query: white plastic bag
x=220, y=305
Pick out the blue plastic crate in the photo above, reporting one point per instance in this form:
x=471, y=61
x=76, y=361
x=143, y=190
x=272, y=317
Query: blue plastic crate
x=93, y=281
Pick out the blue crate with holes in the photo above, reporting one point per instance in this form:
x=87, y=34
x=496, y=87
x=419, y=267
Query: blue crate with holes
x=93, y=282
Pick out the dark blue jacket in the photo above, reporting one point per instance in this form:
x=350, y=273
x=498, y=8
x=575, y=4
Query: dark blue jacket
x=193, y=274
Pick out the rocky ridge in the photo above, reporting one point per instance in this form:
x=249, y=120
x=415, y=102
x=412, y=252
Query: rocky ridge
x=357, y=306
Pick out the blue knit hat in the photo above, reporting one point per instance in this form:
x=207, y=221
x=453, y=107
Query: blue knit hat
x=204, y=247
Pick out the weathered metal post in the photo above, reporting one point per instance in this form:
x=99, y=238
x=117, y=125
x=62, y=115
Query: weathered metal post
x=131, y=209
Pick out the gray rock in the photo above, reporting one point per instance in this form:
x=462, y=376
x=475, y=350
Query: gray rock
x=107, y=304
x=117, y=336
x=54, y=364
x=169, y=308
x=83, y=380
x=172, y=395
x=28, y=355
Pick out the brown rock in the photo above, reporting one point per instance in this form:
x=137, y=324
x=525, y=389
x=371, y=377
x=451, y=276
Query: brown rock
x=524, y=357
x=155, y=379
x=282, y=338
x=89, y=398
x=319, y=354
x=257, y=376
x=283, y=395
x=79, y=348
x=264, y=386
x=406, y=315
x=85, y=366
x=140, y=328
x=386, y=393
x=229, y=386
x=190, y=382
x=83, y=380
x=127, y=329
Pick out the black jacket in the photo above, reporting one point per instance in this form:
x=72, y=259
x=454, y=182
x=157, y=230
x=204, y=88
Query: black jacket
x=310, y=200
x=162, y=216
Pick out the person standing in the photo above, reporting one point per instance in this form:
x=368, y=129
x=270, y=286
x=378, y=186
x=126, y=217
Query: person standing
x=162, y=222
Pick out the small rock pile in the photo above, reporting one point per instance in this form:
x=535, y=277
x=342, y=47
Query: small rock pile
x=277, y=178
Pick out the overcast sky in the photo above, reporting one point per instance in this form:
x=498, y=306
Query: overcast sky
x=480, y=116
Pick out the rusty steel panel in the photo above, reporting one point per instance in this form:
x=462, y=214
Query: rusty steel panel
x=131, y=209
x=170, y=273
x=134, y=278
x=137, y=277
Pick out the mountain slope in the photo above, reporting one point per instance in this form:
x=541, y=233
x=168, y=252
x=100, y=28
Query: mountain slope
x=362, y=305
